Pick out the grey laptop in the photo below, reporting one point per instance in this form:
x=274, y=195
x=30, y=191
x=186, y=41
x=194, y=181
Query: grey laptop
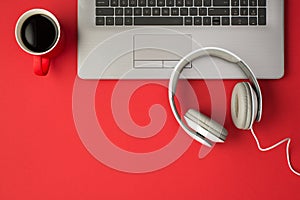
x=144, y=39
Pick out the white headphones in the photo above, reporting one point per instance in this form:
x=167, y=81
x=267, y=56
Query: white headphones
x=246, y=104
x=246, y=101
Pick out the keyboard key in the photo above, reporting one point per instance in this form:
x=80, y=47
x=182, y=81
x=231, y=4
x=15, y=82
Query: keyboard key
x=218, y=11
x=156, y=11
x=252, y=2
x=124, y=3
x=128, y=11
x=221, y=3
x=118, y=11
x=206, y=20
x=165, y=11
x=203, y=11
x=244, y=2
x=114, y=3
x=142, y=2
x=244, y=11
x=188, y=3
x=239, y=20
x=104, y=11
x=262, y=2
x=179, y=2
x=193, y=12
x=197, y=21
x=174, y=11
x=109, y=21
x=252, y=11
x=235, y=2
x=207, y=2
x=119, y=21
x=225, y=21
x=146, y=11
x=188, y=21
x=151, y=2
x=160, y=2
x=170, y=2
x=137, y=11
x=235, y=11
x=99, y=20
x=197, y=2
x=158, y=21
x=128, y=21
x=102, y=2
x=253, y=20
x=183, y=11
x=133, y=3
x=216, y=21
x=262, y=17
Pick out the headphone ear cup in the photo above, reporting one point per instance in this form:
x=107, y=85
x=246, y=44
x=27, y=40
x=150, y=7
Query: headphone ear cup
x=243, y=105
x=197, y=120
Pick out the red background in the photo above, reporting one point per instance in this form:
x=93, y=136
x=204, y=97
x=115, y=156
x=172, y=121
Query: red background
x=42, y=157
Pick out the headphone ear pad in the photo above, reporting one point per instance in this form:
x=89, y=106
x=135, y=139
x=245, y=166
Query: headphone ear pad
x=195, y=119
x=243, y=105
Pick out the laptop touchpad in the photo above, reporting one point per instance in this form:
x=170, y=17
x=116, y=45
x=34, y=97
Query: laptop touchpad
x=160, y=50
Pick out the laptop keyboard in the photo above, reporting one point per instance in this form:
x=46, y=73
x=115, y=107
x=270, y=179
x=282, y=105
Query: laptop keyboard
x=181, y=13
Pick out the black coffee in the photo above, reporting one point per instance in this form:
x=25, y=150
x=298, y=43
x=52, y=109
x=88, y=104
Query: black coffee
x=39, y=33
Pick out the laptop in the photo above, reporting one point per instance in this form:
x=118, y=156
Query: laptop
x=144, y=39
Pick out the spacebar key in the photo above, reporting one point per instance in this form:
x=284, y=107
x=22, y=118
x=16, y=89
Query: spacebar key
x=171, y=21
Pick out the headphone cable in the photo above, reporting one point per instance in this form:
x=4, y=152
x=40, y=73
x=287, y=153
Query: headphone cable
x=288, y=140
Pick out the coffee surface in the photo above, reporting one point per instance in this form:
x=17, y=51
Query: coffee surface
x=39, y=33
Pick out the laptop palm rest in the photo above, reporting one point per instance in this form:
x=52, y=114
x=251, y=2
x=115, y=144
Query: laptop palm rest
x=160, y=50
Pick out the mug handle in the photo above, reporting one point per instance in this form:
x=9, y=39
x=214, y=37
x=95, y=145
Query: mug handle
x=41, y=65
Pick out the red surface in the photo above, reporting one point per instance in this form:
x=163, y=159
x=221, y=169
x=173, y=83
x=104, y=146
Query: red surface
x=42, y=157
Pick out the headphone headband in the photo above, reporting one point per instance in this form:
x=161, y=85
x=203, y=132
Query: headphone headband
x=214, y=52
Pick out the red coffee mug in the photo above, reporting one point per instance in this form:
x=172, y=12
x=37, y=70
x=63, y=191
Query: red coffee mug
x=38, y=33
